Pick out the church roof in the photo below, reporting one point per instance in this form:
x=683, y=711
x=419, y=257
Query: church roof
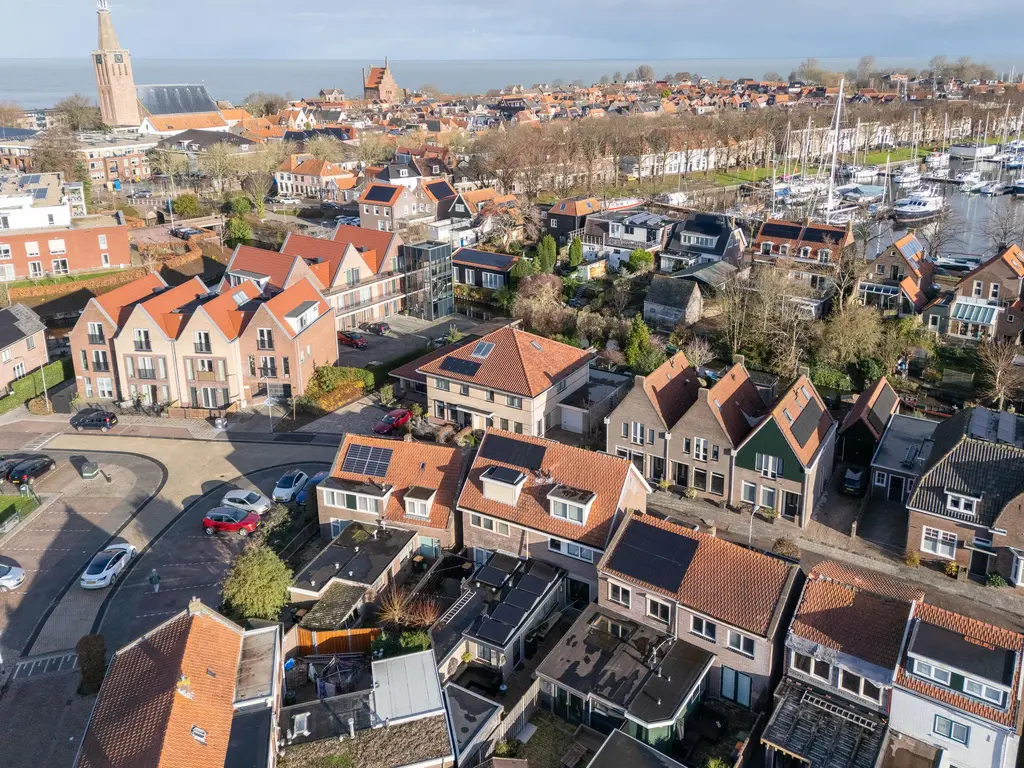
x=175, y=99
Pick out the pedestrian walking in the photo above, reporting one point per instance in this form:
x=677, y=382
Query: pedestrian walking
x=154, y=579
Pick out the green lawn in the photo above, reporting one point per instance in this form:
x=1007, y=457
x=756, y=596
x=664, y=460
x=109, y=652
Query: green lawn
x=22, y=506
x=61, y=280
x=894, y=155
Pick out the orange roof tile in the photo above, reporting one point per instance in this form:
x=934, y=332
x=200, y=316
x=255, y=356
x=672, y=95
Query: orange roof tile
x=913, y=292
x=724, y=580
x=520, y=363
x=421, y=465
x=140, y=718
x=599, y=473
x=225, y=310
x=1013, y=257
x=161, y=307
x=576, y=206
x=373, y=244
x=794, y=401
x=235, y=114
x=330, y=253
x=290, y=298
x=165, y=123
x=736, y=403
x=972, y=631
x=672, y=388
x=276, y=266
x=118, y=302
x=862, y=578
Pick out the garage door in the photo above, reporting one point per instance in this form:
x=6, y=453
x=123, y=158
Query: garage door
x=572, y=420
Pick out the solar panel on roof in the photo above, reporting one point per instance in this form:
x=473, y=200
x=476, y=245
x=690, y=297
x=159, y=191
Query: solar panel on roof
x=495, y=632
x=40, y=194
x=508, y=614
x=509, y=451
x=492, y=577
x=654, y=555
x=502, y=562
x=532, y=584
x=774, y=229
x=521, y=599
x=482, y=349
x=367, y=460
x=882, y=408
x=807, y=422
x=461, y=367
x=911, y=248
x=505, y=475
x=379, y=194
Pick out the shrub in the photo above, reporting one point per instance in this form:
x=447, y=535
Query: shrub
x=467, y=656
x=424, y=612
x=30, y=386
x=664, y=483
x=716, y=762
x=786, y=548
x=640, y=260
x=769, y=513
x=508, y=748
x=389, y=644
x=951, y=569
x=187, y=206
x=387, y=395
x=92, y=661
x=237, y=231
x=912, y=558
x=414, y=640
x=690, y=493
x=257, y=584
x=417, y=411
x=241, y=205
x=995, y=580
x=392, y=608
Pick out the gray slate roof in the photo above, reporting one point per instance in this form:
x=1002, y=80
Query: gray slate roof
x=16, y=323
x=968, y=458
x=713, y=273
x=670, y=292
x=175, y=99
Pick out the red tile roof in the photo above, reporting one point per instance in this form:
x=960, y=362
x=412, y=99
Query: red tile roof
x=161, y=307
x=603, y=475
x=226, y=312
x=1013, y=257
x=422, y=465
x=330, y=252
x=367, y=240
x=862, y=578
x=794, y=402
x=118, y=302
x=576, y=206
x=865, y=402
x=736, y=403
x=977, y=632
x=672, y=388
x=723, y=580
x=276, y=266
x=290, y=298
x=140, y=718
x=914, y=293
x=520, y=363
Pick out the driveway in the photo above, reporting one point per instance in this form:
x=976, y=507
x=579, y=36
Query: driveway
x=358, y=418
x=408, y=334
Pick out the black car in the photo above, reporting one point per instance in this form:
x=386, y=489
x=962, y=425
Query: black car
x=27, y=472
x=6, y=465
x=381, y=329
x=101, y=420
x=855, y=482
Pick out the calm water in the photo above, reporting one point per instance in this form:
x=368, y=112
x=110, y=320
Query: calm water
x=35, y=83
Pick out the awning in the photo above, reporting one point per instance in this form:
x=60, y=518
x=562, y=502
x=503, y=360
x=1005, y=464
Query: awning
x=477, y=411
x=969, y=312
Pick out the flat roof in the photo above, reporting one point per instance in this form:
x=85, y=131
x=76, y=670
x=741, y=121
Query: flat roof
x=333, y=609
x=359, y=554
x=600, y=386
x=249, y=742
x=256, y=664
x=407, y=687
x=470, y=713
x=905, y=445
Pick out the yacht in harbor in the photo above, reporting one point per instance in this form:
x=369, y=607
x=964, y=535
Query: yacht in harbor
x=993, y=188
x=907, y=176
x=937, y=160
x=924, y=203
x=1017, y=186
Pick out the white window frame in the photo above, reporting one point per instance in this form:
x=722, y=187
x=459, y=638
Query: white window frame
x=619, y=594
x=881, y=479
x=753, y=492
x=704, y=628
x=738, y=642
x=563, y=510
x=978, y=289
x=5, y=251
x=984, y=692
x=931, y=672
x=417, y=508
x=657, y=614
x=957, y=502
x=940, y=537
x=638, y=430
x=765, y=491
x=949, y=732
x=700, y=449
x=768, y=466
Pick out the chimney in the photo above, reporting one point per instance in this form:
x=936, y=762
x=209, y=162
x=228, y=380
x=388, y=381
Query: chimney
x=195, y=605
x=184, y=686
x=351, y=728
x=739, y=359
x=713, y=531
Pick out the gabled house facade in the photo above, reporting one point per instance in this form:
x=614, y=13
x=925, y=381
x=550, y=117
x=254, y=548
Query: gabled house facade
x=22, y=344
x=566, y=217
x=899, y=279
x=702, y=238
x=866, y=422
x=384, y=206
x=787, y=459
x=672, y=303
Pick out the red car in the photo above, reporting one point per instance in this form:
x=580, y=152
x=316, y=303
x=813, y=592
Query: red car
x=349, y=339
x=230, y=520
x=392, y=421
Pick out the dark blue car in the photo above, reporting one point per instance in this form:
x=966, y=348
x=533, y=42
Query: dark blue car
x=302, y=497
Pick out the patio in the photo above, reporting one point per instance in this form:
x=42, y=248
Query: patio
x=718, y=729
x=550, y=741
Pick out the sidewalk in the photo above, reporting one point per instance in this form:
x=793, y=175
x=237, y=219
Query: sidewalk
x=818, y=542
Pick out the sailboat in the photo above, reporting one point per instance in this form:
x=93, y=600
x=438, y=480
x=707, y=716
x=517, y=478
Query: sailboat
x=940, y=159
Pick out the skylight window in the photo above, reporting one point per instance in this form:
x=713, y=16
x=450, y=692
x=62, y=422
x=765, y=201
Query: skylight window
x=536, y=346
x=482, y=349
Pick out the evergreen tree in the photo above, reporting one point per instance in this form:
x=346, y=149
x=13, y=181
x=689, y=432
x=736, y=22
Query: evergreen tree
x=575, y=253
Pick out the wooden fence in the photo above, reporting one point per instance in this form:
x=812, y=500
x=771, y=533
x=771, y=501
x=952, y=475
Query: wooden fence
x=515, y=719
x=309, y=643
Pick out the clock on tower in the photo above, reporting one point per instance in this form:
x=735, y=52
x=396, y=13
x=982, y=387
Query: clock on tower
x=118, y=58
x=99, y=58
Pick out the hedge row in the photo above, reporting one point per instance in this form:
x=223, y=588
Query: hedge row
x=31, y=386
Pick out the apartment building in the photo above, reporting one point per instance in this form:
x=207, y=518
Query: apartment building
x=723, y=598
x=116, y=157
x=306, y=176
x=531, y=497
x=22, y=344
x=509, y=379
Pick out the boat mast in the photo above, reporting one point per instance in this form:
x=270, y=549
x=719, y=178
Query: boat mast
x=835, y=154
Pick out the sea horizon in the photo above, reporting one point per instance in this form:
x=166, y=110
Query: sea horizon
x=35, y=83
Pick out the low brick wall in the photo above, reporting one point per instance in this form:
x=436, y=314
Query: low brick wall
x=95, y=285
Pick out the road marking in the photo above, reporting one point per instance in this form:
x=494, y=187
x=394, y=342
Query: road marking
x=158, y=613
x=170, y=589
x=42, y=440
x=61, y=662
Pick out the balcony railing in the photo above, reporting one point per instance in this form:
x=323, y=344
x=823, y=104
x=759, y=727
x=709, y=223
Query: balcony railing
x=143, y=346
x=265, y=344
x=206, y=376
x=268, y=373
x=202, y=348
x=145, y=373
x=101, y=367
x=97, y=338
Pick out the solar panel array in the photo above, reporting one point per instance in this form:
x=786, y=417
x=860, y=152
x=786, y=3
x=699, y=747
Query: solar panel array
x=40, y=194
x=461, y=367
x=379, y=194
x=505, y=475
x=911, y=248
x=654, y=555
x=509, y=451
x=775, y=229
x=367, y=460
x=878, y=416
x=807, y=422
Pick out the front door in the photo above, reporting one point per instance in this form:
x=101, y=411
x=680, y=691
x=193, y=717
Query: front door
x=979, y=564
x=579, y=592
x=657, y=467
x=682, y=474
x=895, y=488
x=791, y=505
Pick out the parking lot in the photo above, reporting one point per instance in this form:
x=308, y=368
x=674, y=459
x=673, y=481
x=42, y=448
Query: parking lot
x=408, y=334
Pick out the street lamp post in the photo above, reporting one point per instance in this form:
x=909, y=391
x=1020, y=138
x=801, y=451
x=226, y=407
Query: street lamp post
x=750, y=532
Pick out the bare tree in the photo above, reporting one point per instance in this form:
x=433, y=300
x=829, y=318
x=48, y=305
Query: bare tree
x=944, y=233
x=1000, y=378
x=698, y=351
x=374, y=148
x=78, y=113
x=219, y=161
x=170, y=164
x=57, y=152
x=10, y=114
x=1004, y=225
x=257, y=185
x=325, y=147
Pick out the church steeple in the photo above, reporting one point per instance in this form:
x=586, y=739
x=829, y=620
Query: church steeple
x=115, y=83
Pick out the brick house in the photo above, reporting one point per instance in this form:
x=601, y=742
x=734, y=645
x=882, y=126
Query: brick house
x=786, y=461
x=721, y=597
x=383, y=206
x=92, y=338
x=307, y=176
x=670, y=426
x=531, y=497
x=509, y=379
x=866, y=422
x=22, y=344
x=270, y=270
x=899, y=279
x=407, y=485
x=967, y=505
x=380, y=85
x=90, y=243
x=986, y=303
x=672, y=303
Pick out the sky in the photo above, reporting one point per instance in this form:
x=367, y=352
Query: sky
x=986, y=30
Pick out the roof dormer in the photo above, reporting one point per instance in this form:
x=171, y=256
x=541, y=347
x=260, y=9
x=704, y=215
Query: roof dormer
x=502, y=484
x=303, y=315
x=419, y=500
x=572, y=504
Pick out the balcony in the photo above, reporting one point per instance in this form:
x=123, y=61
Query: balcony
x=206, y=376
x=143, y=346
x=145, y=373
x=202, y=348
x=97, y=338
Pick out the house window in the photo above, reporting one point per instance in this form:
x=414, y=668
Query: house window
x=993, y=291
x=618, y=594
x=871, y=691
x=569, y=512
x=468, y=276
x=264, y=338
x=650, y=437
x=5, y=252
x=802, y=663
x=638, y=433
x=19, y=368
x=979, y=288
x=30, y=342
x=513, y=402
x=767, y=497
x=491, y=280
x=951, y=730
x=204, y=365
x=57, y=247
x=417, y=508
x=714, y=453
x=741, y=643
x=821, y=669
x=880, y=269
x=59, y=266
x=938, y=674
x=554, y=223
x=560, y=386
x=963, y=504
x=717, y=484
x=700, y=449
x=703, y=627
x=768, y=466
x=443, y=384
x=659, y=610
x=464, y=390
x=849, y=682
x=488, y=396
x=571, y=549
x=35, y=269
x=940, y=543
x=766, y=249
x=32, y=250
x=881, y=479
x=749, y=493
x=103, y=242
x=982, y=691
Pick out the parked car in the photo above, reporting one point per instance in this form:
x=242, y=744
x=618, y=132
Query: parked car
x=106, y=566
x=394, y=420
x=288, y=200
x=6, y=465
x=230, y=520
x=855, y=482
x=302, y=497
x=381, y=329
x=289, y=484
x=248, y=501
x=11, y=577
x=30, y=470
x=101, y=420
x=350, y=339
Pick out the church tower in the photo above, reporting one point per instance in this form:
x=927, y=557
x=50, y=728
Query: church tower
x=119, y=106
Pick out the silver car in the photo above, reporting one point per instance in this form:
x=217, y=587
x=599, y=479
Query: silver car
x=250, y=501
x=11, y=577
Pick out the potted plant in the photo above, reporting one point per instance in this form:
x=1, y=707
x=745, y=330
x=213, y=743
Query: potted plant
x=664, y=484
x=952, y=569
x=770, y=514
x=690, y=493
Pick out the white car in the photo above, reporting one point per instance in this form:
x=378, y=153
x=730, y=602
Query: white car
x=289, y=485
x=107, y=565
x=11, y=577
x=250, y=501
x=288, y=201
